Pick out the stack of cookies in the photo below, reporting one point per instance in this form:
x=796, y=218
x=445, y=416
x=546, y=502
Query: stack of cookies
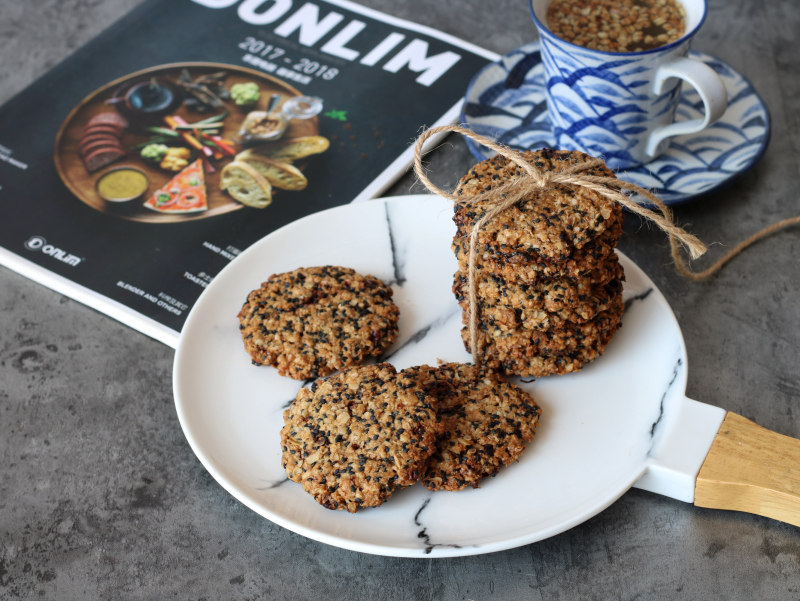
x=548, y=281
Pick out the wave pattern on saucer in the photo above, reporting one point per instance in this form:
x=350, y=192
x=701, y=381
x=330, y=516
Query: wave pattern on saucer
x=506, y=101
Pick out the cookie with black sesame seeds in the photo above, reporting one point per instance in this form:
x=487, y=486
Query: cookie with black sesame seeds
x=355, y=437
x=557, y=289
x=556, y=327
x=561, y=336
x=554, y=365
x=576, y=299
x=313, y=321
x=532, y=266
x=549, y=223
x=542, y=352
x=486, y=423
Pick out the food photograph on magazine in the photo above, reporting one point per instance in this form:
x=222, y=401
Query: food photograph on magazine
x=188, y=141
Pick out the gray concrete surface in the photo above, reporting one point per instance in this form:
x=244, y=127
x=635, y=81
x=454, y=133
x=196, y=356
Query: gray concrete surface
x=102, y=498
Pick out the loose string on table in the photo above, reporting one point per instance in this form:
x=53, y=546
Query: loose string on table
x=535, y=180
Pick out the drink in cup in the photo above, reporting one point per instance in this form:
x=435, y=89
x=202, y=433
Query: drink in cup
x=613, y=72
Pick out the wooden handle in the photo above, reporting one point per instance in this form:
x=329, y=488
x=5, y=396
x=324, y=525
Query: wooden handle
x=752, y=469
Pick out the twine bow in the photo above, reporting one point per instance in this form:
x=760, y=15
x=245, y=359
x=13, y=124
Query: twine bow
x=535, y=180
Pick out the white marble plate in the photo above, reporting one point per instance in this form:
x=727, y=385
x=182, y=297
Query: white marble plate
x=597, y=426
x=506, y=102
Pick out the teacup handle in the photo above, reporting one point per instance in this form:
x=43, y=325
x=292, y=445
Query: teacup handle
x=708, y=85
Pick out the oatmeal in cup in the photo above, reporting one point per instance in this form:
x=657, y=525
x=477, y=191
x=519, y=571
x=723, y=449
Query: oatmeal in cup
x=613, y=74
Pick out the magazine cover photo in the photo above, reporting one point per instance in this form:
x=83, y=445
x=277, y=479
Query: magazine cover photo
x=135, y=170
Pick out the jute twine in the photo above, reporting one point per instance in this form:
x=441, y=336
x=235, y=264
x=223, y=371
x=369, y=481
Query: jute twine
x=535, y=180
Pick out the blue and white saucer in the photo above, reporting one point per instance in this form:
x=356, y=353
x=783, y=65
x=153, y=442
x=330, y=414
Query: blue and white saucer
x=506, y=101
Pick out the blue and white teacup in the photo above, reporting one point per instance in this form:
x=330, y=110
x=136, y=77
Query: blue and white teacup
x=621, y=106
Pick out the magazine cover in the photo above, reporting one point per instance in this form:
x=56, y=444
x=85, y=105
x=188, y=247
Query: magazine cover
x=135, y=170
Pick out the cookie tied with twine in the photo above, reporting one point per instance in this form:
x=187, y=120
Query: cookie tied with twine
x=575, y=177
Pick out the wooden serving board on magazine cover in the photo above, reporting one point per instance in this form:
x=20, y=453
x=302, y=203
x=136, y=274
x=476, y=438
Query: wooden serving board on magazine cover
x=82, y=184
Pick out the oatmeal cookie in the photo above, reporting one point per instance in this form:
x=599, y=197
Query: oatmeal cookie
x=550, y=223
x=532, y=266
x=313, y=321
x=354, y=438
x=554, y=326
x=540, y=366
x=486, y=422
x=535, y=352
x=518, y=304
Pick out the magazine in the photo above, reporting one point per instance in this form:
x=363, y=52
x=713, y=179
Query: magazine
x=135, y=170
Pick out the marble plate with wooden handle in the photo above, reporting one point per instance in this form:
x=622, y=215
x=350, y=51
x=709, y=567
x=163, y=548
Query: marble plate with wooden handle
x=622, y=421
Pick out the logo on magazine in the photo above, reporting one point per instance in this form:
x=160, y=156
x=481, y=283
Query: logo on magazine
x=38, y=243
x=312, y=27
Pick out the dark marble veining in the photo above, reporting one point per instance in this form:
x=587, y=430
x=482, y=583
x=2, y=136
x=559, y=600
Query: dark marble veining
x=675, y=371
x=398, y=266
x=629, y=302
x=423, y=535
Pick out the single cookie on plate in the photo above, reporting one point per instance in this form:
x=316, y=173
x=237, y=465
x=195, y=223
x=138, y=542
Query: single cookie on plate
x=314, y=321
x=485, y=422
x=352, y=439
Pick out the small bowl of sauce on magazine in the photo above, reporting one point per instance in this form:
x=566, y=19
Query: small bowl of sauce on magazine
x=122, y=184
